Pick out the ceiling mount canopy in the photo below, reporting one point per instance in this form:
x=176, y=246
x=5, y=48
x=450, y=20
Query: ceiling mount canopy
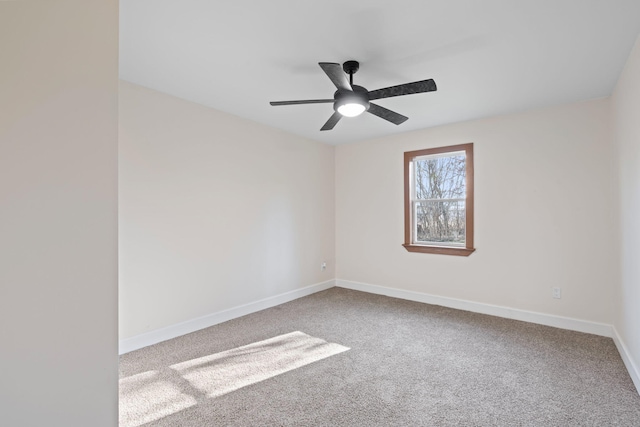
x=351, y=100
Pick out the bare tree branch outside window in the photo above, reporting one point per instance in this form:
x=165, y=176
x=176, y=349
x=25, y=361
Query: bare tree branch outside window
x=440, y=199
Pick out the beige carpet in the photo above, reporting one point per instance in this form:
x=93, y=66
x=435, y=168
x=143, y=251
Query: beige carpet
x=346, y=358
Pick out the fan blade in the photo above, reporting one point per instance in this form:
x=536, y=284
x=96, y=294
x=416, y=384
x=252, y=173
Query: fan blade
x=308, y=101
x=333, y=120
x=336, y=74
x=405, y=89
x=387, y=114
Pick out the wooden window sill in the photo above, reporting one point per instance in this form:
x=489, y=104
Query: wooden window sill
x=443, y=250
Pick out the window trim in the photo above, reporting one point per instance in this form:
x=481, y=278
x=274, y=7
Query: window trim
x=409, y=156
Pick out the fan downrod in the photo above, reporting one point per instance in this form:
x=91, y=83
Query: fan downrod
x=351, y=67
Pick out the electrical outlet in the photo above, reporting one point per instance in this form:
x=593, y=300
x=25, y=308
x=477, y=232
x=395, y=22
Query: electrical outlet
x=323, y=266
x=556, y=293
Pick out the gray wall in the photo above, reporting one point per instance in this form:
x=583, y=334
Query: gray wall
x=58, y=213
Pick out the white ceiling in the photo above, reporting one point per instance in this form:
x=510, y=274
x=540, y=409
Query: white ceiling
x=487, y=57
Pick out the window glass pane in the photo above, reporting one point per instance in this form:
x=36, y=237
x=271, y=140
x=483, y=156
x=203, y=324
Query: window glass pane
x=440, y=177
x=441, y=222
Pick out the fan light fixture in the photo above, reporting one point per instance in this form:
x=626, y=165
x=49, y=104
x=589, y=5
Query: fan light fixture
x=351, y=109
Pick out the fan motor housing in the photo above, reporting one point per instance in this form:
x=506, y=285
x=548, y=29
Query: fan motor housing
x=359, y=95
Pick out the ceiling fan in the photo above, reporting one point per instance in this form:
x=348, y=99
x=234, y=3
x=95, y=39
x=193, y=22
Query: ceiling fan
x=351, y=100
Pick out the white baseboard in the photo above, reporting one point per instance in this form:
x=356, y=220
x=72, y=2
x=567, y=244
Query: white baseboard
x=634, y=372
x=493, y=310
x=153, y=337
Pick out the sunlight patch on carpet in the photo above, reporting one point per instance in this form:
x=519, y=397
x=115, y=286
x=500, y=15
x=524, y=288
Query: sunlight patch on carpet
x=221, y=373
x=145, y=398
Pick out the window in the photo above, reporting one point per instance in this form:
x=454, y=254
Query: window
x=438, y=200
